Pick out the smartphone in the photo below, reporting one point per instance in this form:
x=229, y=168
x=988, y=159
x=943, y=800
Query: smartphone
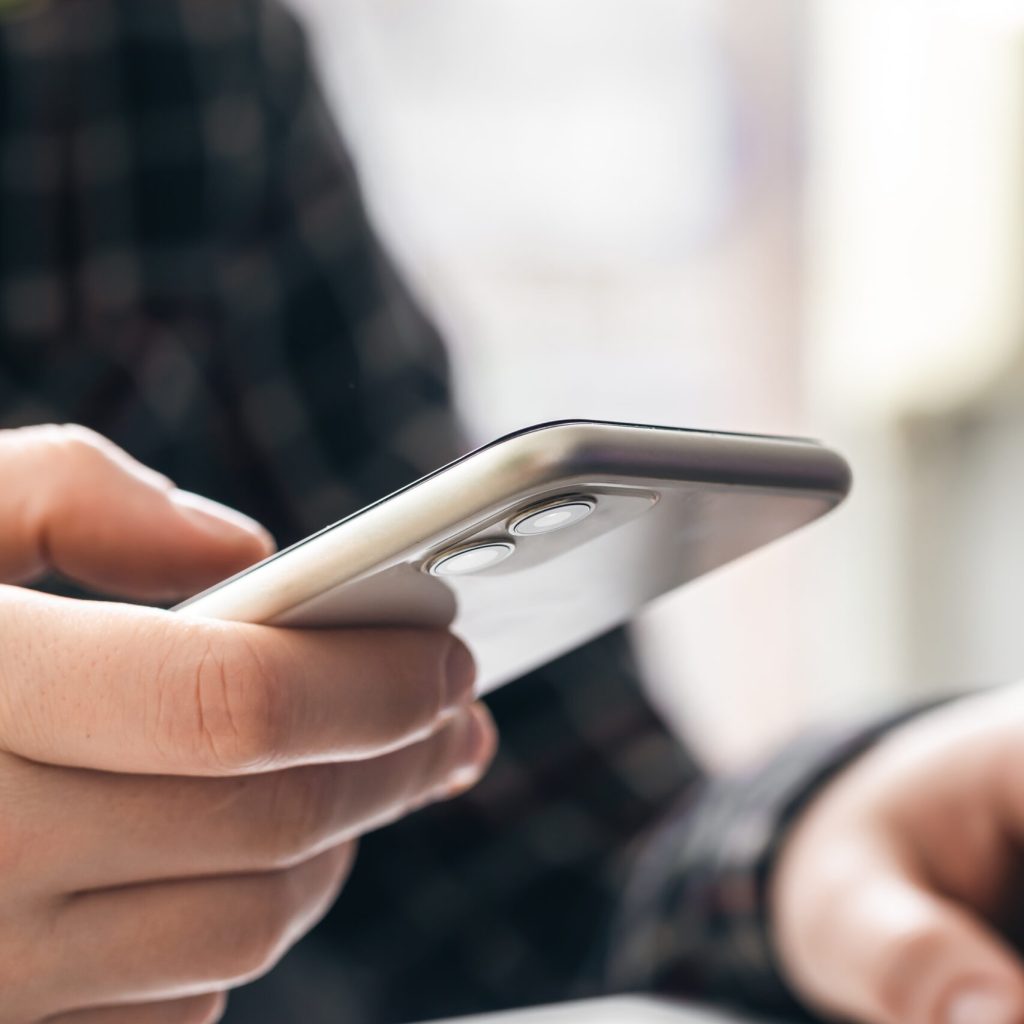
x=542, y=540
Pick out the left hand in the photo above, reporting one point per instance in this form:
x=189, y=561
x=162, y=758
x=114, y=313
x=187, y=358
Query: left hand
x=898, y=896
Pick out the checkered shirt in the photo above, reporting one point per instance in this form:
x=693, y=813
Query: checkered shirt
x=186, y=266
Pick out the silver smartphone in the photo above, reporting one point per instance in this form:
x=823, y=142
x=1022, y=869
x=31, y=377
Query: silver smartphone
x=542, y=540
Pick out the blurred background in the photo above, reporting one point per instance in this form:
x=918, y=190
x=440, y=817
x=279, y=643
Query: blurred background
x=794, y=216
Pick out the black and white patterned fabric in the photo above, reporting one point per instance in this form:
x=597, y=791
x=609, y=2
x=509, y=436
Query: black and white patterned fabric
x=186, y=266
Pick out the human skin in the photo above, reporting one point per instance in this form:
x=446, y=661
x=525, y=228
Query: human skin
x=898, y=897
x=180, y=797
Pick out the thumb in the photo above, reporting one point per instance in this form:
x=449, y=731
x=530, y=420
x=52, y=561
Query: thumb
x=915, y=957
x=75, y=503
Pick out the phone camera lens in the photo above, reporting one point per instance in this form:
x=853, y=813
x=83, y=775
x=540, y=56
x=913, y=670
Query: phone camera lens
x=470, y=560
x=552, y=517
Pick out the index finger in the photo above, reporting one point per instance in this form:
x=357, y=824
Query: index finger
x=123, y=688
x=75, y=503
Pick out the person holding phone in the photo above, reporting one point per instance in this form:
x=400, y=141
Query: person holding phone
x=172, y=783
x=187, y=269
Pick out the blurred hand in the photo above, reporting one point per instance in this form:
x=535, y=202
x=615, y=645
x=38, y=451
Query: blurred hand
x=898, y=896
x=178, y=796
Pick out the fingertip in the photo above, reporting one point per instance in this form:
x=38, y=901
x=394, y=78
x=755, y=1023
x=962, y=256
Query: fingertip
x=476, y=743
x=459, y=674
x=222, y=524
x=983, y=1003
x=346, y=855
x=164, y=547
x=936, y=960
x=486, y=735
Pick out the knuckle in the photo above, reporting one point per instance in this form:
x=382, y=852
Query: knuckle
x=904, y=960
x=265, y=931
x=62, y=455
x=20, y=966
x=415, y=777
x=344, y=861
x=19, y=846
x=49, y=471
x=297, y=812
x=237, y=706
x=444, y=755
x=204, y=1009
x=75, y=446
x=30, y=966
x=62, y=446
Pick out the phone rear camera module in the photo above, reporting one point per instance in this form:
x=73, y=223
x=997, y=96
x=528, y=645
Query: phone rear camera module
x=471, y=560
x=551, y=517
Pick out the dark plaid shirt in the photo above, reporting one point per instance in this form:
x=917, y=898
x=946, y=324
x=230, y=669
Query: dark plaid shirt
x=186, y=266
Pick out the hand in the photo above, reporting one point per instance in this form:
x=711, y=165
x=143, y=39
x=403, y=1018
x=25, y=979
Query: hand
x=898, y=896
x=178, y=796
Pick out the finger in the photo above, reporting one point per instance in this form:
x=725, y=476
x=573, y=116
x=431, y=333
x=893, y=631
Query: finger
x=196, y=1010
x=904, y=955
x=170, y=828
x=124, y=688
x=177, y=939
x=74, y=503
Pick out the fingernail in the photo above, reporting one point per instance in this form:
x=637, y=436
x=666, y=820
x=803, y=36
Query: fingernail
x=222, y=522
x=460, y=674
x=983, y=1006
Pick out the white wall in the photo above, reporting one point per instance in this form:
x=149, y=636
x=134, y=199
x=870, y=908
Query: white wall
x=794, y=215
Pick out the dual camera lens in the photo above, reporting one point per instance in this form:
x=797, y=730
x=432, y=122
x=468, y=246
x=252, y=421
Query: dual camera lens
x=533, y=522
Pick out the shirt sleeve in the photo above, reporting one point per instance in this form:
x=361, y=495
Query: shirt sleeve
x=694, y=917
